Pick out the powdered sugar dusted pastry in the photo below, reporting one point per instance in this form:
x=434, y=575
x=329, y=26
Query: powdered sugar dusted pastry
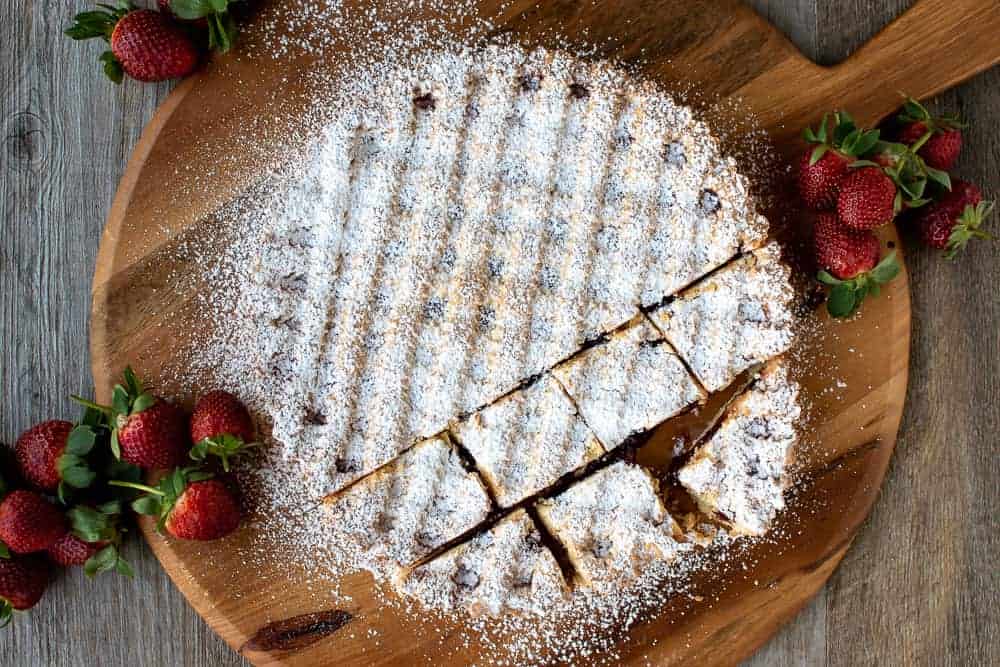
x=527, y=440
x=733, y=319
x=506, y=568
x=628, y=384
x=401, y=513
x=465, y=223
x=738, y=475
x=612, y=524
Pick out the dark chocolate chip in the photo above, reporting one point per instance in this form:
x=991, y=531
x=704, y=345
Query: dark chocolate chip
x=531, y=82
x=314, y=417
x=487, y=315
x=600, y=547
x=425, y=102
x=494, y=266
x=466, y=578
x=623, y=139
x=427, y=539
x=579, y=91
x=709, y=201
x=448, y=259
x=759, y=428
x=674, y=154
x=751, y=311
x=434, y=308
x=549, y=278
x=346, y=465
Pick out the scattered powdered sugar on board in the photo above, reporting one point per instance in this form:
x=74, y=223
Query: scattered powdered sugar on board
x=308, y=242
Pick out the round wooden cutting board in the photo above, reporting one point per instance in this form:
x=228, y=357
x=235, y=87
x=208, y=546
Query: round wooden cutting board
x=191, y=159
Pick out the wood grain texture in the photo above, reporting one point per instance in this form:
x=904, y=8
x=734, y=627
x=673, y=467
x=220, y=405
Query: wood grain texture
x=916, y=588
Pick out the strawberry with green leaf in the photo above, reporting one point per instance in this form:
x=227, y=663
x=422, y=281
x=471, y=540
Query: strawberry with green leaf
x=215, y=14
x=849, y=261
x=147, y=431
x=938, y=139
x=23, y=580
x=220, y=426
x=94, y=540
x=189, y=504
x=824, y=166
x=29, y=522
x=144, y=44
x=52, y=456
x=957, y=218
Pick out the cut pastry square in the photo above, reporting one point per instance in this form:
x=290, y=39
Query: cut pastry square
x=527, y=440
x=507, y=568
x=739, y=474
x=407, y=509
x=735, y=318
x=629, y=383
x=612, y=525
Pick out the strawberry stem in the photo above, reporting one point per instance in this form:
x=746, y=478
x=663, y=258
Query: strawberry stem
x=137, y=487
x=103, y=409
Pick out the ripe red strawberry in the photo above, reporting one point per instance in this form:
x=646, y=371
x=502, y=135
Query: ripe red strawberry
x=842, y=251
x=51, y=453
x=153, y=438
x=71, y=550
x=938, y=140
x=145, y=44
x=868, y=199
x=147, y=431
x=189, y=504
x=94, y=540
x=22, y=583
x=962, y=195
x=28, y=522
x=822, y=168
x=951, y=223
x=221, y=426
x=206, y=510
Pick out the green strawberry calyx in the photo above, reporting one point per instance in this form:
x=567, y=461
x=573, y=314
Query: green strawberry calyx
x=221, y=26
x=6, y=612
x=915, y=112
x=968, y=228
x=100, y=525
x=846, y=295
x=224, y=446
x=101, y=24
x=844, y=136
x=127, y=399
x=159, y=500
x=74, y=470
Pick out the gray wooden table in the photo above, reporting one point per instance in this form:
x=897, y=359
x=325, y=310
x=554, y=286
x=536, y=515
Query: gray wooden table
x=919, y=586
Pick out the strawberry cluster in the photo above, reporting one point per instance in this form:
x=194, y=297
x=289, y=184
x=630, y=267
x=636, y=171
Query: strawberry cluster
x=75, y=480
x=151, y=45
x=857, y=181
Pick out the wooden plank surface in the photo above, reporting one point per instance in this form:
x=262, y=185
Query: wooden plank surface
x=918, y=586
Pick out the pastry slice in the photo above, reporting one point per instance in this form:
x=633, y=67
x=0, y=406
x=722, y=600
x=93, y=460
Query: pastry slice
x=735, y=318
x=612, y=525
x=738, y=475
x=527, y=440
x=504, y=569
x=407, y=509
x=628, y=384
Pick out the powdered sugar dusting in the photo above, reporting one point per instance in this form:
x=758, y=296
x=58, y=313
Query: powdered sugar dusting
x=464, y=219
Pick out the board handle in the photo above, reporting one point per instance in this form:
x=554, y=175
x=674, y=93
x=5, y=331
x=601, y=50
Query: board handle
x=933, y=46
